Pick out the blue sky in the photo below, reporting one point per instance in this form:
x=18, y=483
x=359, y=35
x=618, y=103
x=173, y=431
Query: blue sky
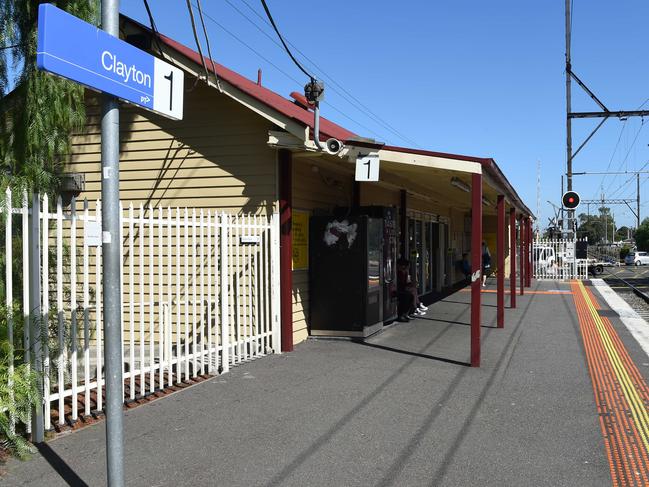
x=470, y=77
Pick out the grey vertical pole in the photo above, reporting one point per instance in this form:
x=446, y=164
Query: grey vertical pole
x=638, y=200
x=111, y=266
x=35, y=315
x=568, y=110
x=563, y=223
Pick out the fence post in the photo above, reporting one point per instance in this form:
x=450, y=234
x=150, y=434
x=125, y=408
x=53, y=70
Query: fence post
x=38, y=425
x=225, y=280
x=26, y=290
x=574, y=256
x=275, y=285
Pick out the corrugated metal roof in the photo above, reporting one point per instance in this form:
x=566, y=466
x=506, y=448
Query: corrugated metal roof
x=298, y=112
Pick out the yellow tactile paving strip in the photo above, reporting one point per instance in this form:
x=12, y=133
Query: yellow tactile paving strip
x=621, y=394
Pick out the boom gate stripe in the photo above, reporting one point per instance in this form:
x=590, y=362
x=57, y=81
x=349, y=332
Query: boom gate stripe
x=621, y=394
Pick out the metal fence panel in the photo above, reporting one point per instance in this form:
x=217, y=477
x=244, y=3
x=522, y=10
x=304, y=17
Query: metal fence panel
x=199, y=296
x=556, y=259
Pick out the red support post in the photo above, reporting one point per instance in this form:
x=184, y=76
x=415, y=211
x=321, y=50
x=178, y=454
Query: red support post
x=528, y=253
x=476, y=266
x=285, y=172
x=530, y=274
x=500, y=256
x=521, y=236
x=403, y=223
x=512, y=257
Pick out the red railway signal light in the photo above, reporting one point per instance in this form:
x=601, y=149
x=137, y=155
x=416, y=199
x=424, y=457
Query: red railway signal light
x=570, y=200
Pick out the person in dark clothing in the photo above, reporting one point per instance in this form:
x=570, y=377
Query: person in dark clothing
x=408, y=301
x=466, y=266
x=486, y=263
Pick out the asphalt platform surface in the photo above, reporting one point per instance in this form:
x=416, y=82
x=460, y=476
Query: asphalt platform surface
x=402, y=409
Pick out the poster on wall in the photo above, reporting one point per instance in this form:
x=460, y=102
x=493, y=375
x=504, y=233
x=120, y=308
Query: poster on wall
x=300, y=230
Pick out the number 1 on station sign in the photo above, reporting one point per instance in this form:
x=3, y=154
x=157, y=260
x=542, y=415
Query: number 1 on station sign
x=367, y=168
x=79, y=51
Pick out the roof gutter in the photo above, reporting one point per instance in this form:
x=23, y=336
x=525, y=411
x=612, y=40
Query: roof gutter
x=495, y=171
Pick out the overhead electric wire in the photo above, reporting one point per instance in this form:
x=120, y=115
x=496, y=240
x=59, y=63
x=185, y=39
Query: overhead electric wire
x=198, y=43
x=287, y=75
x=349, y=97
x=207, y=41
x=601, y=184
x=625, y=159
x=154, y=28
x=619, y=188
x=297, y=63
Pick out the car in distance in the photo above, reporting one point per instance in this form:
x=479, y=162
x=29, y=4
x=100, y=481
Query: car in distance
x=637, y=258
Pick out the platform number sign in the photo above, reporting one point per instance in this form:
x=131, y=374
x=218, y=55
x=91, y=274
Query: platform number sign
x=168, y=89
x=76, y=50
x=367, y=167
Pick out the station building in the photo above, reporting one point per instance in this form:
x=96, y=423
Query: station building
x=242, y=148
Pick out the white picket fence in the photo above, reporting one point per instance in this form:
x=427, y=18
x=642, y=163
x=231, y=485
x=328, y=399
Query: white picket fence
x=200, y=293
x=555, y=259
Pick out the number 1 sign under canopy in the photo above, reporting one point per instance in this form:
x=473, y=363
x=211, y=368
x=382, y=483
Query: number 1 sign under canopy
x=367, y=167
x=79, y=51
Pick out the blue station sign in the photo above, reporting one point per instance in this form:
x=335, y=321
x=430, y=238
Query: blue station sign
x=79, y=51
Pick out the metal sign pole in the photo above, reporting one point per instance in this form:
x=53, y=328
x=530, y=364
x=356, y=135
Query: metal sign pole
x=111, y=266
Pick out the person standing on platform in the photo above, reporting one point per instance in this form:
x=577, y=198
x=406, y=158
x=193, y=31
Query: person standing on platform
x=486, y=263
x=466, y=267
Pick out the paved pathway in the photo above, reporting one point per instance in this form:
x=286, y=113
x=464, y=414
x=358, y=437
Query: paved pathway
x=402, y=409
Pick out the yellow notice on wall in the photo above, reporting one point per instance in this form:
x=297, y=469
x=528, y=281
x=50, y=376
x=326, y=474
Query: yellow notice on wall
x=300, y=229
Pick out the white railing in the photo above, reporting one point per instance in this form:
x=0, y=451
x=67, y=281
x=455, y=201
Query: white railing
x=199, y=295
x=556, y=259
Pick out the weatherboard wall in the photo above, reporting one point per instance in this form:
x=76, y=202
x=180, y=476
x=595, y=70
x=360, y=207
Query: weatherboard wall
x=216, y=159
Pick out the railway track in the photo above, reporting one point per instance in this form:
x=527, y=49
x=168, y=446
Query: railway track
x=633, y=289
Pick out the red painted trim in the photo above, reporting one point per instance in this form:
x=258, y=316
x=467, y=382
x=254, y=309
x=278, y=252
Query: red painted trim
x=261, y=93
x=500, y=255
x=512, y=258
x=285, y=171
x=521, y=236
x=476, y=265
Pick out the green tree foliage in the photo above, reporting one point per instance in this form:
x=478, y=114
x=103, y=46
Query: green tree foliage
x=624, y=251
x=19, y=392
x=642, y=235
x=38, y=116
x=36, y=121
x=624, y=232
x=597, y=227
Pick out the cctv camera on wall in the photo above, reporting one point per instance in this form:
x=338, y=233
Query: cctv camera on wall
x=334, y=146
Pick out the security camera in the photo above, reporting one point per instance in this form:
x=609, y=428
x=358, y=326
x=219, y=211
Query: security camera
x=334, y=146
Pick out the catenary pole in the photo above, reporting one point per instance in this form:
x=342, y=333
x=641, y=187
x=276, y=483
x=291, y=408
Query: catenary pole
x=568, y=110
x=637, y=214
x=111, y=267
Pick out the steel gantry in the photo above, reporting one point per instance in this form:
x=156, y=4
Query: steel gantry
x=604, y=114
